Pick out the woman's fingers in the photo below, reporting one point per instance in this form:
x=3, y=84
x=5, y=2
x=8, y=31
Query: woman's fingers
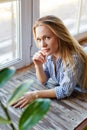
x=19, y=103
x=24, y=104
x=23, y=101
x=13, y=104
x=40, y=56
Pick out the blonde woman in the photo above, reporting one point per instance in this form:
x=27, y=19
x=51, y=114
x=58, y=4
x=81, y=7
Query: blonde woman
x=60, y=57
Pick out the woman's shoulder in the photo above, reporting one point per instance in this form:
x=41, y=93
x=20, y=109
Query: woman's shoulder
x=77, y=59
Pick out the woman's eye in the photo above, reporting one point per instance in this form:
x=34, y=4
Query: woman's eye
x=47, y=37
x=38, y=40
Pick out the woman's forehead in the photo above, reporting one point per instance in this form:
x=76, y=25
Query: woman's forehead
x=43, y=30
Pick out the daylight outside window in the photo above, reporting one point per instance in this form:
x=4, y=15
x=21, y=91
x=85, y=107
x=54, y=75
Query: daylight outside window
x=72, y=12
x=9, y=31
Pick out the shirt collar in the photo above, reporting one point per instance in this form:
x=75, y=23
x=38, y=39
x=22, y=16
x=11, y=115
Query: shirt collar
x=50, y=57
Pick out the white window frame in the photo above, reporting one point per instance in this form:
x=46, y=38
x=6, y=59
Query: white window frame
x=29, y=13
x=25, y=32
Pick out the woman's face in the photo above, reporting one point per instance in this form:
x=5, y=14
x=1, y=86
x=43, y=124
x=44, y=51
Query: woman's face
x=46, y=40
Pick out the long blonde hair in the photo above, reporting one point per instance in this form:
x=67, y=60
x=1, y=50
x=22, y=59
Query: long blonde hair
x=67, y=44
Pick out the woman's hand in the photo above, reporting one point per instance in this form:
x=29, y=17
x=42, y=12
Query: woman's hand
x=25, y=100
x=39, y=58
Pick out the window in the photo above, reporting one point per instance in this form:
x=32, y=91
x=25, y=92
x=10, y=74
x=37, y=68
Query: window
x=72, y=12
x=16, y=19
x=9, y=31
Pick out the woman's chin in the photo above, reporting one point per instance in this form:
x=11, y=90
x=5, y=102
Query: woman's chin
x=48, y=54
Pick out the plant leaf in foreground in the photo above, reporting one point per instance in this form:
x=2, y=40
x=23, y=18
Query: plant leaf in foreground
x=33, y=113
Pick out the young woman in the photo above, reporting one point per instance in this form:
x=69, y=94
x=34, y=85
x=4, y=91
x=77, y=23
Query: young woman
x=60, y=57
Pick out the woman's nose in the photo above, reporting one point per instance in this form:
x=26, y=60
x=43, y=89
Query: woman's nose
x=43, y=43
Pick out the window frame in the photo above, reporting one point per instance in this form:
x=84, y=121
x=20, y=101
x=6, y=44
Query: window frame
x=25, y=34
x=26, y=20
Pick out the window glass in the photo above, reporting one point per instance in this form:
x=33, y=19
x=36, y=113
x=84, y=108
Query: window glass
x=70, y=11
x=9, y=31
x=83, y=20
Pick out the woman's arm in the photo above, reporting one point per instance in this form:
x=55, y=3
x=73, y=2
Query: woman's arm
x=39, y=58
x=50, y=93
x=40, y=74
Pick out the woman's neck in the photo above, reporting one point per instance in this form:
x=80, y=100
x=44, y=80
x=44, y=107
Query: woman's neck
x=55, y=58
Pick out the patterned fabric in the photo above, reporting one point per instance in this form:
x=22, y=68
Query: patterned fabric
x=65, y=79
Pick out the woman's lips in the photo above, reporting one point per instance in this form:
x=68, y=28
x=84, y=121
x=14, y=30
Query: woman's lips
x=45, y=50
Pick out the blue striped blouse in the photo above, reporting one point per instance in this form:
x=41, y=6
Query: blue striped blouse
x=64, y=78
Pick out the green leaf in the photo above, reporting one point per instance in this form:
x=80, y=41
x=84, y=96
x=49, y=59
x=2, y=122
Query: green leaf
x=19, y=91
x=5, y=75
x=4, y=121
x=33, y=113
